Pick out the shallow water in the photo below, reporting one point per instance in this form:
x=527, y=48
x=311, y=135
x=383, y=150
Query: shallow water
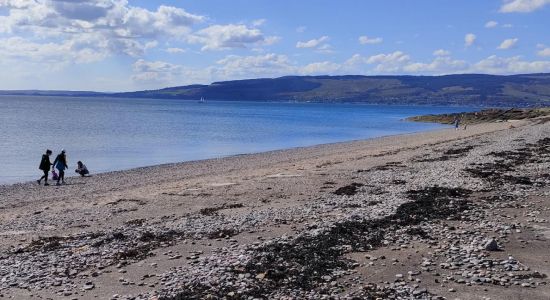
x=114, y=134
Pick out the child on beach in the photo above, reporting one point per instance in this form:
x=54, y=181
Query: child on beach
x=45, y=165
x=81, y=169
x=60, y=163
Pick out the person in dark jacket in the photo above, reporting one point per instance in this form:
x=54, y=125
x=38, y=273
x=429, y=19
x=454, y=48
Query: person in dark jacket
x=45, y=165
x=60, y=163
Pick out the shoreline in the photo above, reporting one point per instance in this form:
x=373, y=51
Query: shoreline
x=354, y=212
x=268, y=152
x=104, y=151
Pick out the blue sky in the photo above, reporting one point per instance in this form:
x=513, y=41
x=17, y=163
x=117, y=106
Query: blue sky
x=119, y=45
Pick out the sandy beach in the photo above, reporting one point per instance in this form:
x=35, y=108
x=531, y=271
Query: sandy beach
x=435, y=215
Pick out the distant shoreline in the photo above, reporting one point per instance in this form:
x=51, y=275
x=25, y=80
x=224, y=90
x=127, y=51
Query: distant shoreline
x=178, y=131
x=458, y=89
x=255, y=101
x=470, y=118
x=441, y=119
x=289, y=150
x=484, y=116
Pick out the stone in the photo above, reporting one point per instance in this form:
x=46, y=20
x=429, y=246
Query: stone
x=88, y=286
x=491, y=245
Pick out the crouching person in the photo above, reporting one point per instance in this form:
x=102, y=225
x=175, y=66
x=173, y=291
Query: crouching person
x=81, y=169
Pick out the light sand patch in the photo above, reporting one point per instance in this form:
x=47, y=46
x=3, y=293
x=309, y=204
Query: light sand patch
x=14, y=232
x=220, y=184
x=545, y=231
x=282, y=175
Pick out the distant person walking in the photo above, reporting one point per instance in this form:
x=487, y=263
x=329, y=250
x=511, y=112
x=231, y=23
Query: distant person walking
x=60, y=163
x=81, y=169
x=45, y=165
x=457, y=123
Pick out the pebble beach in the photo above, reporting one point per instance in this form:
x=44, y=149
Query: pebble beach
x=446, y=214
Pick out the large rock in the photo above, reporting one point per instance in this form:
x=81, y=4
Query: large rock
x=491, y=245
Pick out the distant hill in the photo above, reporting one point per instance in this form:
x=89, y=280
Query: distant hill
x=468, y=89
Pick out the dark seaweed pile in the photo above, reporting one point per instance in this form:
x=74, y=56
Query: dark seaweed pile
x=449, y=154
x=301, y=263
x=348, y=190
x=498, y=172
x=209, y=211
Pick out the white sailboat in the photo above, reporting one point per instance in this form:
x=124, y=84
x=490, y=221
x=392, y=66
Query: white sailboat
x=202, y=100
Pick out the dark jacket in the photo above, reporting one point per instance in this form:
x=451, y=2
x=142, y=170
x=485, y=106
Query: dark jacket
x=45, y=163
x=60, y=162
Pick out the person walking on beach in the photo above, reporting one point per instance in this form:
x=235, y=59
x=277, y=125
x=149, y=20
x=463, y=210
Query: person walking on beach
x=457, y=123
x=81, y=169
x=60, y=163
x=45, y=165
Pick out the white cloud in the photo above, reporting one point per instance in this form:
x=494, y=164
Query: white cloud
x=469, y=39
x=142, y=66
x=100, y=28
x=355, y=60
x=271, y=40
x=325, y=49
x=71, y=51
x=401, y=63
x=312, y=43
x=364, y=40
x=389, y=63
x=223, y=37
x=234, y=66
x=491, y=24
x=55, y=34
x=440, y=65
x=138, y=22
x=509, y=65
x=396, y=56
x=522, y=6
x=321, y=68
x=508, y=43
x=441, y=52
x=157, y=74
x=175, y=50
x=544, y=52
x=17, y=3
x=507, y=26
x=160, y=74
x=259, y=22
x=151, y=45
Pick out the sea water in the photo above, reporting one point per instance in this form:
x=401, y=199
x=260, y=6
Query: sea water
x=110, y=134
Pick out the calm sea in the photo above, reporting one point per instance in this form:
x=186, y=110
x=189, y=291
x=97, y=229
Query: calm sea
x=116, y=134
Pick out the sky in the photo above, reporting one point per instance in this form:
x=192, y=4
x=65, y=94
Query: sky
x=125, y=45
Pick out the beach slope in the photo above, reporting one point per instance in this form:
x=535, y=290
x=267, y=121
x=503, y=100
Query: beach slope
x=449, y=213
